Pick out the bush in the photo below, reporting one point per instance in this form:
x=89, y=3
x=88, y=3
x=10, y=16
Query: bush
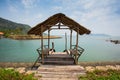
x=11, y=74
x=101, y=75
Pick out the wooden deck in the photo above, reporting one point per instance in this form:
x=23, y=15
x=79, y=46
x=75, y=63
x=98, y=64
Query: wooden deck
x=59, y=58
x=60, y=72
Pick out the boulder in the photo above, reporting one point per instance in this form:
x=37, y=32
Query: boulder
x=103, y=68
x=110, y=67
x=30, y=72
x=90, y=68
x=21, y=70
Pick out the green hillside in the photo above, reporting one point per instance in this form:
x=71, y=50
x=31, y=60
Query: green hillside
x=9, y=27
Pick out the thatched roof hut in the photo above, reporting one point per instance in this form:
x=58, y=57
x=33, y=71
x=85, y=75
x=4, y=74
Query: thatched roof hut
x=58, y=18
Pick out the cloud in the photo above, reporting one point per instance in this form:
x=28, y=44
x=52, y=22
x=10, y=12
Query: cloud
x=39, y=16
x=57, y=8
x=13, y=9
x=29, y=3
x=99, y=17
x=102, y=17
x=32, y=20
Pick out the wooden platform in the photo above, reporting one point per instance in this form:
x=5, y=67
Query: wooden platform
x=59, y=58
x=58, y=72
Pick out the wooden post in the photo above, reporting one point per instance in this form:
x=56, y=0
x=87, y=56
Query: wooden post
x=48, y=38
x=71, y=39
x=76, y=61
x=65, y=41
x=52, y=45
x=42, y=46
x=59, y=25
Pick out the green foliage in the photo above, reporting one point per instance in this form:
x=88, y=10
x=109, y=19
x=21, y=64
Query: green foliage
x=8, y=32
x=14, y=75
x=9, y=27
x=101, y=75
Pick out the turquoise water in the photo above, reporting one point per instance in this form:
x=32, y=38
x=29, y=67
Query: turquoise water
x=96, y=49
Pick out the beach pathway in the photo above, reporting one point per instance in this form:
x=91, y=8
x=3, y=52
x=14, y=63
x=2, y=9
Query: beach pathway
x=59, y=72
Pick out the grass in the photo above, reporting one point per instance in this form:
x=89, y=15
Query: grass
x=11, y=74
x=101, y=75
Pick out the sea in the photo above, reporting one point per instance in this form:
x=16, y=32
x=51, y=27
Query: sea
x=97, y=48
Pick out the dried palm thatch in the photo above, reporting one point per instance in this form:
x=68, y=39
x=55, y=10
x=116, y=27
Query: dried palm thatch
x=58, y=18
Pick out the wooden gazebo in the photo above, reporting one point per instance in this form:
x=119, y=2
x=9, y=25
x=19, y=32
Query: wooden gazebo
x=59, y=21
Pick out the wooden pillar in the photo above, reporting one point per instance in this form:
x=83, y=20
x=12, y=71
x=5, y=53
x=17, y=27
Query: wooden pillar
x=42, y=45
x=65, y=41
x=48, y=38
x=52, y=45
x=76, y=61
x=71, y=39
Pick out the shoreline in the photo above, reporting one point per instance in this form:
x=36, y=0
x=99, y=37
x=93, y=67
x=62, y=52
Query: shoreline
x=81, y=69
x=29, y=64
x=31, y=37
x=113, y=63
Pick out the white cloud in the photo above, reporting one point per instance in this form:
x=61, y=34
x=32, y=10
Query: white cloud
x=29, y=3
x=98, y=16
x=32, y=20
x=13, y=9
x=57, y=8
x=39, y=16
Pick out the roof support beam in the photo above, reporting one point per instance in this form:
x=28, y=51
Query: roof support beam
x=71, y=39
x=76, y=61
x=60, y=28
x=59, y=25
x=65, y=41
x=49, y=39
x=42, y=46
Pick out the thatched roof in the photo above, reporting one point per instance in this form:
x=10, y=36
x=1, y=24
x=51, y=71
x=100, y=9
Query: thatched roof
x=58, y=18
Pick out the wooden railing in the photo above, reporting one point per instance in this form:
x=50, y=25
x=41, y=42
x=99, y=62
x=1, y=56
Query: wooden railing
x=45, y=53
x=76, y=51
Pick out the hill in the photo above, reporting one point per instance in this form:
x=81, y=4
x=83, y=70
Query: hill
x=106, y=35
x=10, y=27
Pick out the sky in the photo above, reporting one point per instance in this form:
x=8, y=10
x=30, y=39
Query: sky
x=99, y=16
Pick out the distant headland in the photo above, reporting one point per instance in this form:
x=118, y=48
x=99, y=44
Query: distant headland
x=31, y=37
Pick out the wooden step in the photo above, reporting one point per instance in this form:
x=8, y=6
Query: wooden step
x=59, y=56
x=57, y=75
x=58, y=78
x=58, y=62
x=59, y=59
x=51, y=72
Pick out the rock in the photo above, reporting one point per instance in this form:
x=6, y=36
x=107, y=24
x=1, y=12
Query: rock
x=31, y=72
x=20, y=70
x=89, y=68
x=103, y=68
x=111, y=67
x=117, y=67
